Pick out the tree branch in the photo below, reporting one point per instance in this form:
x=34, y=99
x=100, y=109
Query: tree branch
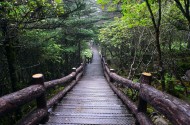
x=151, y=14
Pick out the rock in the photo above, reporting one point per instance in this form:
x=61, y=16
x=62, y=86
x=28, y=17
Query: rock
x=160, y=121
x=187, y=74
x=186, y=77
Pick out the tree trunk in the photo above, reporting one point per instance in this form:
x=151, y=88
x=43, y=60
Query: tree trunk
x=188, y=40
x=10, y=55
x=170, y=42
x=156, y=25
x=160, y=63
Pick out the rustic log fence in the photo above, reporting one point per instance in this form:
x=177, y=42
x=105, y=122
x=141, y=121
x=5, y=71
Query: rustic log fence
x=13, y=101
x=175, y=110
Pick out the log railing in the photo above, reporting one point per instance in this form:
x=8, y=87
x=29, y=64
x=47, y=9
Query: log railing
x=175, y=110
x=37, y=91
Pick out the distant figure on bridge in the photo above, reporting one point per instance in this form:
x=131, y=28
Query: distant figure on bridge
x=88, y=60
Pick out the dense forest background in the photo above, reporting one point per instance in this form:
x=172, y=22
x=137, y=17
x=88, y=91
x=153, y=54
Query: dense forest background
x=52, y=36
x=150, y=36
x=41, y=36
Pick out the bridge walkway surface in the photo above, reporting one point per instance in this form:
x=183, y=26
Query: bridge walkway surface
x=91, y=101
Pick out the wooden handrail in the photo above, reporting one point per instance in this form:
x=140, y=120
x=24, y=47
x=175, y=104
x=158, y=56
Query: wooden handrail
x=12, y=101
x=176, y=110
x=73, y=76
x=125, y=82
x=31, y=119
x=141, y=117
x=53, y=83
x=80, y=68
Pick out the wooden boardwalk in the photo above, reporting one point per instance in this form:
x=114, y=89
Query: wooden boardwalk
x=91, y=101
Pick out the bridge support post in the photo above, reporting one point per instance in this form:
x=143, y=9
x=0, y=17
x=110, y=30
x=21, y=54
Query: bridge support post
x=103, y=67
x=41, y=100
x=74, y=70
x=145, y=79
x=106, y=65
x=142, y=104
x=103, y=59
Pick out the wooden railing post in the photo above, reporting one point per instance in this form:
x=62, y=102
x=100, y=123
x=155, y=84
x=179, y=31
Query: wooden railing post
x=82, y=64
x=74, y=70
x=103, y=58
x=106, y=65
x=145, y=79
x=41, y=100
x=102, y=62
x=83, y=67
x=104, y=68
x=111, y=79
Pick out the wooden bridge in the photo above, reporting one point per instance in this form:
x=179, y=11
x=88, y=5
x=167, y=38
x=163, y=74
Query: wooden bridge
x=91, y=97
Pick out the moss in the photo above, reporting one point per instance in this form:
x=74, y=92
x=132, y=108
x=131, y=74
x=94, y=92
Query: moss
x=150, y=110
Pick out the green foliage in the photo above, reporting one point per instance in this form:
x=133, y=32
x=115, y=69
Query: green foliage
x=125, y=33
x=58, y=1
x=45, y=37
x=52, y=51
x=103, y=2
x=70, y=49
x=184, y=62
x=114, y=33
x=46, y=41
x=19, y=12
x=110, y=5
x=169, y=78
x=173, y=15
x=87, y=53
x=179, y=88
x=85, y=33
x=136, y=14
